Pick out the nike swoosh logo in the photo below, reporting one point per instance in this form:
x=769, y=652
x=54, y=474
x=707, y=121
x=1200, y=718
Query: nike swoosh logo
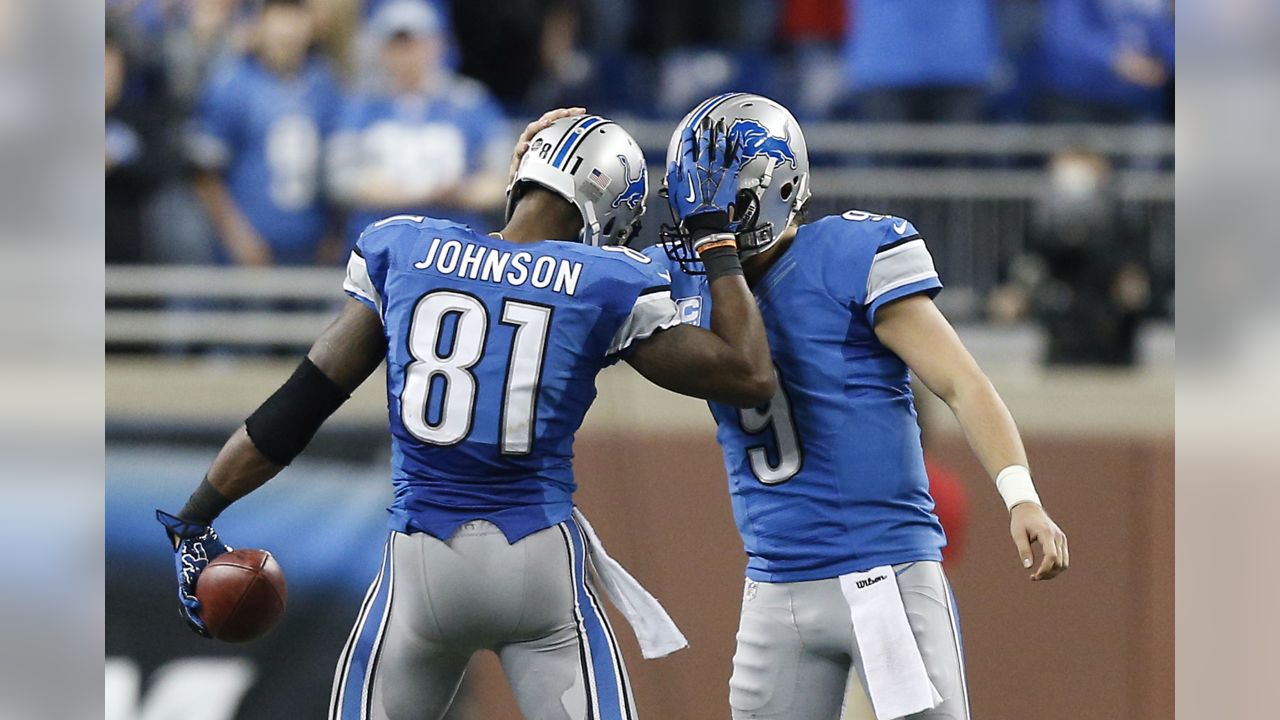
x=665, y=275
x=690, y=198
x=900, y=227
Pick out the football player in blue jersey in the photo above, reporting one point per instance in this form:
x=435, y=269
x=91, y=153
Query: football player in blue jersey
x=492, y=343
x=827, y=479
x=431, y=143
x=258, y=139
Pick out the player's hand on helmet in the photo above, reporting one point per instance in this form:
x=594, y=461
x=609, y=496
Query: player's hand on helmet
x=194, y=546
x=533, y=128
x=1029, y=523
x=702, y=183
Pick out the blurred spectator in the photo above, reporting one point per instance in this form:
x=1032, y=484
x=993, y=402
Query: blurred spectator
x=430, y=143
x=704, y=48
x=176, y=45
x=146, y=17
x=813, y=20
x=1018, y=74
x=1107, y=60
x=371, y=7
x=1083, y=278
x=366, y=63
x=201, y=33
x=133, y=158
x=258, y=140
x=665, y=25
x=501, y=44
x=568, y=75
x=921, y=60
x=337, y=23
x=812, y=31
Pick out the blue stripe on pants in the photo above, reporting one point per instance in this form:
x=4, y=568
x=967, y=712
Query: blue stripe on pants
x=608, y=680
x=367, y=639
x=955, y=626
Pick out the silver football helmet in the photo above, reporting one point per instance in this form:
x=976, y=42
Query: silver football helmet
x=774, y=184
x=594, y=164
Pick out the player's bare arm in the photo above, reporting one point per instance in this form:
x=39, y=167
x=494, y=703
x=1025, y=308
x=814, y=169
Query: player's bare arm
x=916, y=331
x=346, y=353
x=341, y=358
x=729, y=364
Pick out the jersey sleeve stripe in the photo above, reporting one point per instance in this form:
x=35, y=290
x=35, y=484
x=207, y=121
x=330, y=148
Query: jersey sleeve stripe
x=897, y=266
x=896, y=243
x=359, y=284
x=656, y=289
x=651, y=313
x=901, y=282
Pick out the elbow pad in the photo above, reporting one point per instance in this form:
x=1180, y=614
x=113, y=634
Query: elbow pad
x=283, y=425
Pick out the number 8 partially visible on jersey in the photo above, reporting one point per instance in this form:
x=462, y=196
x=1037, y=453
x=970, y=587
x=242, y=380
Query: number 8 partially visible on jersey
x=532, y=323
x=777, y=414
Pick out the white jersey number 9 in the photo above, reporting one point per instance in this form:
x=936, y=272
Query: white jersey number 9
x=777, y=414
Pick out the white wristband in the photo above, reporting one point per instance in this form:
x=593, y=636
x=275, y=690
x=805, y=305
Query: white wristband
x=1015, y=486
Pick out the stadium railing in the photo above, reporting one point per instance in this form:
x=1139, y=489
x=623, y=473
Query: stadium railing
x=971, y=190
x=975, y=215
x=977, y=140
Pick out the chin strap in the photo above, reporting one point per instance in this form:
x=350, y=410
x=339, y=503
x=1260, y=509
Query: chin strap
x=755, y=241
x=590, y=226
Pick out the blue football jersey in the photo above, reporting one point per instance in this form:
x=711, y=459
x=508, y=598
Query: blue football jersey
x=266, y=133
x=492, y=353
x=828, y=477
x=422, y=143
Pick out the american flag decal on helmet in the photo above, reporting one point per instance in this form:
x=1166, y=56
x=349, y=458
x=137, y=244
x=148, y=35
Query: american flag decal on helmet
x=598, y=179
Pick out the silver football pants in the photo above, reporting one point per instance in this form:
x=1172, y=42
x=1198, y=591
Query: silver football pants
x=796, y=647
x=434, y=603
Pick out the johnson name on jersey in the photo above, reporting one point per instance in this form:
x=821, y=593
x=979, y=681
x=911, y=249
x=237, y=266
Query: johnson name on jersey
x=492, y=352
x=828, y=477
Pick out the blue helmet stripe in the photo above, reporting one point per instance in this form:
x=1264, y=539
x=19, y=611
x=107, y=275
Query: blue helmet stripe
x=577, y=142
x=564, y=139
x=702, y=108
x=572, y=137
x=706, y=108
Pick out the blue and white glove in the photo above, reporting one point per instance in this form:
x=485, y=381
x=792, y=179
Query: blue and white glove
x=194, y=546
x=702, y=183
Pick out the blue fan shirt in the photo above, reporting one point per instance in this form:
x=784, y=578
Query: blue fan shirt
x=424, y=143
x=266, y=134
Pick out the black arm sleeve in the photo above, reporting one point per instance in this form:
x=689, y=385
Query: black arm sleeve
x=283, y=425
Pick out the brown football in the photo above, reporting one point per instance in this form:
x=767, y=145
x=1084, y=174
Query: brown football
x=242, y=595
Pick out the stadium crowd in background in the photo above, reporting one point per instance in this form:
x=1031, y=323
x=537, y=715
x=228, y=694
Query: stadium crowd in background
x=270, y=132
